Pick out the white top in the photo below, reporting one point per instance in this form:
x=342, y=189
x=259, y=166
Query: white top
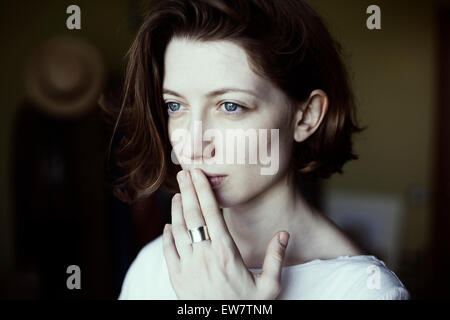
x=359, y=277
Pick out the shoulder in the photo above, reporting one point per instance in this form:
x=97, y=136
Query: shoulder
x=365, y=277
x=150, y=256
x=148, y=271
x=361, y=277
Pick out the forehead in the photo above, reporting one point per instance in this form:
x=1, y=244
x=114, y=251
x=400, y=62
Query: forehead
x=197, y=66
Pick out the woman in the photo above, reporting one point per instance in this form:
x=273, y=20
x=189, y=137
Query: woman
x=237, y=232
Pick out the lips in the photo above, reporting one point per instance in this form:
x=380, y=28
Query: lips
x=215, y=180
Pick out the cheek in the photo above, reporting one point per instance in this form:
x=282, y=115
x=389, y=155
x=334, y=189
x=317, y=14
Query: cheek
x=286, y=144
x=176, y=138
x=277, y=144
x=247, y=181
x=172, y=126
x=247, y=184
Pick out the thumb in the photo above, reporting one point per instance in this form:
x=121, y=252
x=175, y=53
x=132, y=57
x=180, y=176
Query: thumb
x=270, y=277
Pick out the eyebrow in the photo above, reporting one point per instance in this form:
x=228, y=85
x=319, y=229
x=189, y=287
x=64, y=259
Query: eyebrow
x=214, y=92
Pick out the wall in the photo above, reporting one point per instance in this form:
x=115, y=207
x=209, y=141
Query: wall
x=393, y=73
x=24, y=25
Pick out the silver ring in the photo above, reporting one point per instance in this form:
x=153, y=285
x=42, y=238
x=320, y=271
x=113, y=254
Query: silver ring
x=199, y=234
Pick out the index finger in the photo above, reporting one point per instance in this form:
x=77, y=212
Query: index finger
x=209, y=207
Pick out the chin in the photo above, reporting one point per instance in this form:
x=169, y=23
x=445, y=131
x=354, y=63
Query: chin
x=223, y=201
x=227, y=199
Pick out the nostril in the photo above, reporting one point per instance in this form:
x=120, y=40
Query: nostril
x=209, y=152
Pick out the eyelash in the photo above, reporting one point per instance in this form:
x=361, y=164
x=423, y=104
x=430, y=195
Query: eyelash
x=232, y=113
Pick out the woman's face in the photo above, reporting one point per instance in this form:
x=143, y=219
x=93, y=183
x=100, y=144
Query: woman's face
x=209, y=88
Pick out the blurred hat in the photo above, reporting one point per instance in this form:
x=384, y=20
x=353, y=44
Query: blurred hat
x=65, y=77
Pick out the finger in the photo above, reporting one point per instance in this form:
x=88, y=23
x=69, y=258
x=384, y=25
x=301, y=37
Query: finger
x=179, y=230
x=170, y=251
x=209, y=206
x=191, y=207
x=270, y=278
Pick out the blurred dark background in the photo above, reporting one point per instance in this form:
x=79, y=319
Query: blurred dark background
x=55, y=195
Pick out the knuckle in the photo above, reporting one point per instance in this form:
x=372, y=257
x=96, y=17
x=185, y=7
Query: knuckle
x=278, y=255
x=226, y=255
x=205, y=260
x=202, y=255
x=190, y=211
x=177, y=228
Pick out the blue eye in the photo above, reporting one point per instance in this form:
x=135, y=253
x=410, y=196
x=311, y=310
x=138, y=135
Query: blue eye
x=173, y=106
x=232, y=107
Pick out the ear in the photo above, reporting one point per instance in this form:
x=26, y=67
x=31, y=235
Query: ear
x=310, y=115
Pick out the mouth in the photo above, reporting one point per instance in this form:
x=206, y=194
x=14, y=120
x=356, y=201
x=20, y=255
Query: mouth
x=215, y=180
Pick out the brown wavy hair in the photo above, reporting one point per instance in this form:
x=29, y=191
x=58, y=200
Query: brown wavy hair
x=286, y=42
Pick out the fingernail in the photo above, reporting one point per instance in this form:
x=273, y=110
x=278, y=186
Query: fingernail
x=283, y=238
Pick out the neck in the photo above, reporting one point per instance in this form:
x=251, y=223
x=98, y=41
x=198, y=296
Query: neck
x=254, y=223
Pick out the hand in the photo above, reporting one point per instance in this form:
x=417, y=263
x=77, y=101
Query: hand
x=213, y=269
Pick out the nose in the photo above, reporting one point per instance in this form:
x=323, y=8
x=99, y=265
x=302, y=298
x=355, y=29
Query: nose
x=195, y=148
